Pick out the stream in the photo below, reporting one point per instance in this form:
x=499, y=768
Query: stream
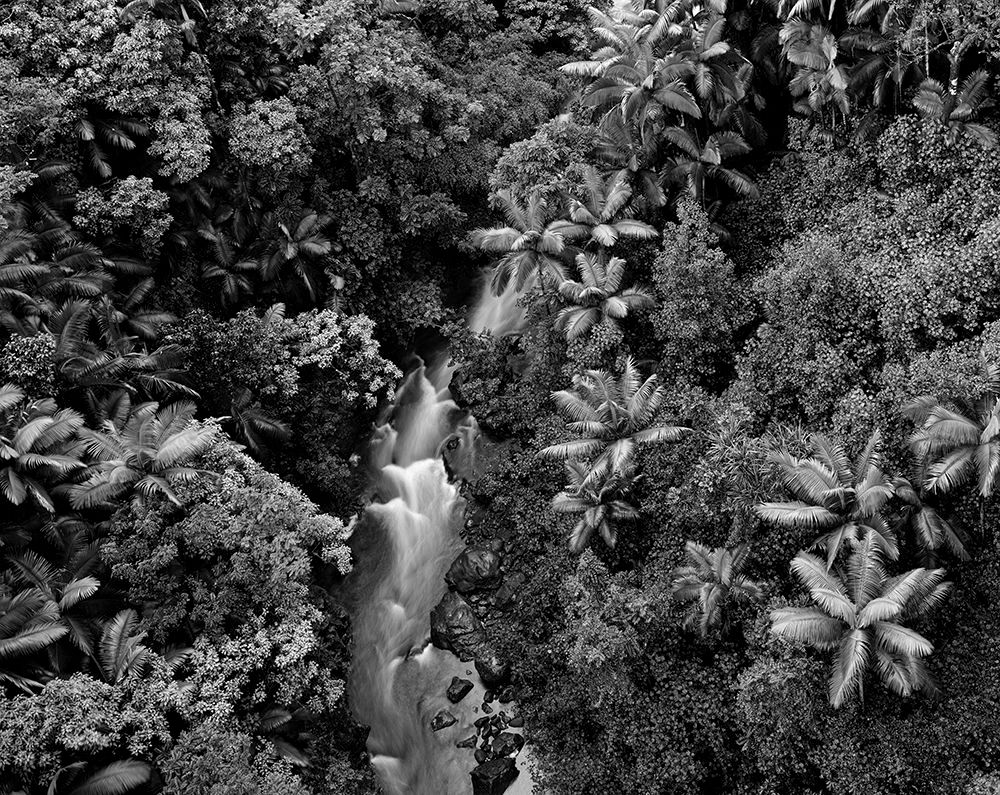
x=404, y=543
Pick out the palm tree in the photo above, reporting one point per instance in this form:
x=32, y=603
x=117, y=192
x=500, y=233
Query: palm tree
x=530, y=244
x=253, y=427
x=601, y=504
x=100, y=133
x=955, y=444
x=19, y=273
x=697, y=165
x=62, y=587
x=127, y=313
x=820, y=82
x=297, y=251
x=147, y=454
x=633, y=159
x=932, y=530
x=614, y=417
x=629, y=75
x=626, y=38
x=710, y=580
x=29, y=624
x=715, y=64
x=646, y=94
x=38, y=440
x=844, y=503
x=602, y=216
x=860, y=613
x=230, y=267
x=599, y=296
x=116, y=778
x=955, y=107
x=889, y=56
x=111, y=371
x=120, y=653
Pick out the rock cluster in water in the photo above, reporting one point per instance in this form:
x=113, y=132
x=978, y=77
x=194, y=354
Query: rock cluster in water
x=493, y=743
x=475, y=579
x=458, y=689
x=493, y=777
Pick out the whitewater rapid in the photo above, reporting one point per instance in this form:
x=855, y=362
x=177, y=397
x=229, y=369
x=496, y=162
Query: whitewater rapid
x=404, y=544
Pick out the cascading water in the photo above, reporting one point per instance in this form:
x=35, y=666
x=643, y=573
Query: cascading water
x=404, y=544
x=500, y=315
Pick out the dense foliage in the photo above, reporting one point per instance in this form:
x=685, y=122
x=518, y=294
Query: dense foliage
x=744, y=418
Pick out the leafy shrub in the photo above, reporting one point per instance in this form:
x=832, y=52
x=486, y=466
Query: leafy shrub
x=234, y=567
x=82, y=719
x=701, y=305
x=214, y=758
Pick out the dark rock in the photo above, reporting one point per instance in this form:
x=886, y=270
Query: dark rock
x=505, y=596
x=487, y=709
x=468, y=742
x=488, y=696
x=508, y=743
x=506, y=695
x=491, y=670
x=503, y=723
x=475, y=513
x=482, y=722
x=442, y=720
x=481, y=755
x=477, y=568
x=454, y=626
x=458, y=689
x=517, y=722
x=493, y=778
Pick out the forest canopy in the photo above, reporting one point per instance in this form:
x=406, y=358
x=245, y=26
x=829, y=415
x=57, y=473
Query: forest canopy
x=739, y=393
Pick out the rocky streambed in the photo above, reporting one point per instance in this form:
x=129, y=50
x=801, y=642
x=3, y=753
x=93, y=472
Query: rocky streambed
x=426, y=679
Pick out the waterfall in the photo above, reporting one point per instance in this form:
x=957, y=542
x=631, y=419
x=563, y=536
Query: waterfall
x=404, y=543
x=500, y=315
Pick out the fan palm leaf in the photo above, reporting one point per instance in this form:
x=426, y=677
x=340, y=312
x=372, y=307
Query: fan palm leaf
x=711, y=580
x=859, y=613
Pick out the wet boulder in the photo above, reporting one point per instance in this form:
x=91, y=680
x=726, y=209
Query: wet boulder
x=455, y=627
x=507, y=744
x=493, y=777
x=468, y=742
x=477, y=568
x=443, y=720
x=492, y=670
x=458, y=689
